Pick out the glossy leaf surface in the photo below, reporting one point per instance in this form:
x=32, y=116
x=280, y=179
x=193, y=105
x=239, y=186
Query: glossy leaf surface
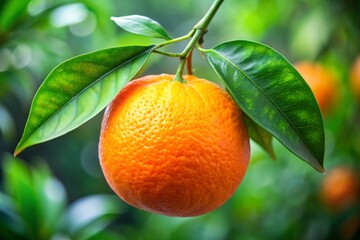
x=142, y=26
x=78, y=89
x=274, y=95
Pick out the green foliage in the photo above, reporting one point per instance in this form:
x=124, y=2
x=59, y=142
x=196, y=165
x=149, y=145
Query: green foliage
x=260, y=136
x=10, y=13
x=34, y=206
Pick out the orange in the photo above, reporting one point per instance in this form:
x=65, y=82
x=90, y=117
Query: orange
x=171, y=148
x=340, y=188
x=322, y=83
x=355, y=77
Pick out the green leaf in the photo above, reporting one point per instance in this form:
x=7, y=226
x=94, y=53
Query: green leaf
x=82, y=223
x=19, y=186
x=142, y=26
x=274, y=95
x=38, y=198
x=51, y=197
x=10, y=12
x=260, y=136
x=78, y=89
x=12, y=225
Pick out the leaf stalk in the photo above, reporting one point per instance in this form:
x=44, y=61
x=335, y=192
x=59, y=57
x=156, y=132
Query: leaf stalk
x=195, y=34
x=200, y=29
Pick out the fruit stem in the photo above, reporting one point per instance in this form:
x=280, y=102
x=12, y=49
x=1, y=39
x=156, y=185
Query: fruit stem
x=189, y=63
x=196, y=34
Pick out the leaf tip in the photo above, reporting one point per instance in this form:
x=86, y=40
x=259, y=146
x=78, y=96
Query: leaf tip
x=17, y=151
x=319, y=168
x=19, y=148
x=272, y=154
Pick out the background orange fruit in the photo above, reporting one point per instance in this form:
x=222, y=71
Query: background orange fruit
x=323, y=84
x=355, y=77
x=340, y=188
x=178, y=149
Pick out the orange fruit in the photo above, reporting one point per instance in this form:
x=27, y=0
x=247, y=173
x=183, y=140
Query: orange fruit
x=322, y=83
x=340, y=188
x=355, y=77
x=171, y=148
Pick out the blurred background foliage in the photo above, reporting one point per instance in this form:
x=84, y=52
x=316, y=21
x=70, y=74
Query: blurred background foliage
x=58, y=191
